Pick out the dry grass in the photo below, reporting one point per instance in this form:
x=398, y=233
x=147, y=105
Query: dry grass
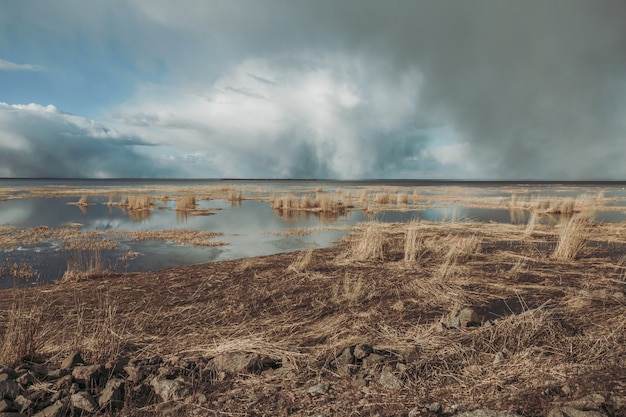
x=368, y=245
x=302, y=262
x=412, y=245
x=186, y=202
x=573, y=235
x=22, y=333
x=549, y=323
x=83, y=264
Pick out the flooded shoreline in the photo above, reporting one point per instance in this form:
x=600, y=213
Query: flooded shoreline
x=45, y=225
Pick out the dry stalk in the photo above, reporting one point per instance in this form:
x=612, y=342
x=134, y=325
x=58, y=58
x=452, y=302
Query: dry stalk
x=22, y=336
x=412, y=243
x=572, y=237
x=302, y=262
x=369, y=244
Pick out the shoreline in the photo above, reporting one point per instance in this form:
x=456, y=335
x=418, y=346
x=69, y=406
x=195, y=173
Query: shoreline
x=393, y=320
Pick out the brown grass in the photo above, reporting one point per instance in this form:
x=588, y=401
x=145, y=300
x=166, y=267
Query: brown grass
x=550, y=323
x=83, y=264
x=573, y=235
x=412, y=245
x=368, y=245
x=186, y=202
x=23, y=336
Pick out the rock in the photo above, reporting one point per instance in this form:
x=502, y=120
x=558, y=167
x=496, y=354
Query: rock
x=588, y=402
x=411, y=355
x=84, y=402
x=169, y=389
x=373, y=360
x=5, y=405
x=112, y=396
x=55, y=410
x=344, y=358
x=469, y=318
x=488, y=413
x=9, y=389
x=10, y=414
x=362, y=350
x=73, y=360
x=116, y=366
x=573, y=412
x=136, y=373
x=242, y=363
x=319, y=389
x=415, y=412
x=88, y=376
x=501, y=356
x=63, y=383
x=27, y=378
x=389, y=380
x=433, y=408
x=22, y=403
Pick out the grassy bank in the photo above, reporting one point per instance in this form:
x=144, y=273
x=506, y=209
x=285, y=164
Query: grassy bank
x=548, y=311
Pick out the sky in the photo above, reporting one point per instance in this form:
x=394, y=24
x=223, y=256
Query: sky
x=329, y=89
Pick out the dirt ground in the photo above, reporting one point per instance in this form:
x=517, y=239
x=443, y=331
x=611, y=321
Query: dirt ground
x=418, y=319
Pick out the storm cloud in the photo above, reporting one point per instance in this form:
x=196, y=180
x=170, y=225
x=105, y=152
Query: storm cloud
x=37, y=141
x=491, y=89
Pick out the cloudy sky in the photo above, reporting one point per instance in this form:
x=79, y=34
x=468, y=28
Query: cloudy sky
x=346, y=89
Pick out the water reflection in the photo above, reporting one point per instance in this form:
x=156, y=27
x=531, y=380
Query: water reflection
x=244, y=222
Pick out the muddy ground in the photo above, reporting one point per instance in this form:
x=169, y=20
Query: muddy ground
x=448, y=318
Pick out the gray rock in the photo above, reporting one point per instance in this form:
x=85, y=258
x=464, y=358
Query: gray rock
x=9, y=389
x=319, y=389
x=88, y=376
x=170, y=389
x=112, y=396
x=11, y=414
x=74, y=359
x=362, y=350
x=501, y=356
x=55, y=410
x=5, y=405
x=488, y=413
x=433, y=408
x=468, y=317
x=83, y=401
x=344, y=358
x=591, y=401
x=116, y=366
x=573, y=412
x=389, y=380
x=22, y=403
x=136, y=373
x=241, y=362
x=373, y=360
x=414, y=412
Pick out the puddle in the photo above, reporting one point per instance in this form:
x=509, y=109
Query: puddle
x=250, y=227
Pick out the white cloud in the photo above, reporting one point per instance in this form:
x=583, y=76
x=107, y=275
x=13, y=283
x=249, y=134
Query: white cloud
x=12, y=66
x=299, y=117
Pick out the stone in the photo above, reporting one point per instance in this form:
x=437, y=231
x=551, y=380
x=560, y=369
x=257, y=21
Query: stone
x=169, y=389
x=433, y=408
x=55, y=410
x=468, y=318
x=84, y=402
x=116, y=366
x=488, y=413
x=319, y=389
x=573, y=412
x=5, y=405
x=9, y=389
x=591, y=401
x=63, y=383
x=344, y=358
x=242, y=363
x=88, y=376
x=27, y=378
x=389, y=380
x=362, y=350
x=73, y=360
x=112, y=396
x=501, y=356
x=22, y=403
x=373, y=360
x=136, y=373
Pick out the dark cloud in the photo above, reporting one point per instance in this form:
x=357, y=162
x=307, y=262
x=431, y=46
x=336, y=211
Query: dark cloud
x=38, y=141
x=531, y=89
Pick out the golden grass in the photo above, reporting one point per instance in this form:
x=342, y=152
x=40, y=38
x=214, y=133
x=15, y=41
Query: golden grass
x=545, y=320
x=83, y=264
x=573, y=234
x=186, y=202
x=368, y=245
x=302, y=262
x=23, y=336
x=412, y=244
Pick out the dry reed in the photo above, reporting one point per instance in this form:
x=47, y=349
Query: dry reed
x=412, y=244
x=572, y=237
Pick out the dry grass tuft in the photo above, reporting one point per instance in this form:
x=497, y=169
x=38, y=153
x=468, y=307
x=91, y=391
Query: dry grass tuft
x=83, y=264
x=302, y=262
x=460, y=250
x=369, y=244
x=185, y=202
x=412, y=243
x=572, y=237
x=22, y=336
x=382, y=198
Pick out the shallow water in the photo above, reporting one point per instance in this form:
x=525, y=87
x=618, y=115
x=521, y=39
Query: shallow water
x=250, y=228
